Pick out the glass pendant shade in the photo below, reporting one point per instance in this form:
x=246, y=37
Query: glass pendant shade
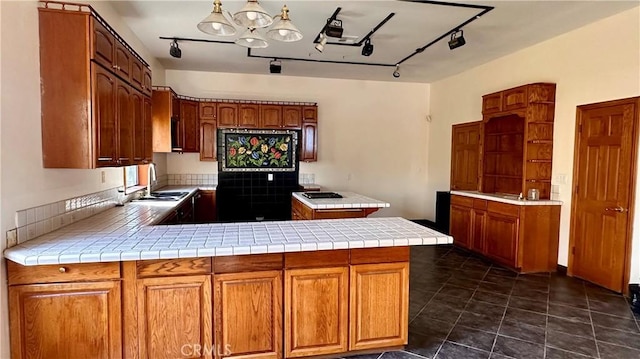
x=284, y=30
x=252, y=15
x=216, y=24
x=252, y=39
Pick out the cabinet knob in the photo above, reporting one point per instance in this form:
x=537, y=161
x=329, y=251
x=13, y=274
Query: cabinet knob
x=62, y=270
x=114, y=67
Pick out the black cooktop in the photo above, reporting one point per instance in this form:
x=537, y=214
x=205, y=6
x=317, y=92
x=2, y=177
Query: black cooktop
x=316, y=195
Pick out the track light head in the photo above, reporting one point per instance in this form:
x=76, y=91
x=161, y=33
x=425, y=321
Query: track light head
x=396, y=73
x=275, y=66
x=322, y=43
x=367, y=49
x=174, y=50
x=457, y=40
x=334, y=28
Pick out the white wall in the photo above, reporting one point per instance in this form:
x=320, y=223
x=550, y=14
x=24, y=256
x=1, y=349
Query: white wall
x=598, y=62
x=24, y=183
x=372, y=135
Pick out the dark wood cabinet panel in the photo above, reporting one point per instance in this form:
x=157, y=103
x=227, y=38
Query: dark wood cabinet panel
x=205, y=207
x=207, y=110
x=310, y=113
x=227, y=115
x=125, y=124
x=137, y=74
x=208, y=141
x=460, y=225
x=138, y=117
x=190, y=126
x=248, y=115
x=477, y=240
x=146, y=81
x=104, y=112
x=123, y=59
x=309, y=147
x=492, y=103
x=514, y=98
x=270, y=116
x=66, y=320
x=148, y=130
x=501, y=238
x=103, y=45
x=465, y=156
x=292, y=117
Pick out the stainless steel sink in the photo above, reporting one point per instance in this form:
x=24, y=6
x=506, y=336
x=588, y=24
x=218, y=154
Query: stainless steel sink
x=164, y=196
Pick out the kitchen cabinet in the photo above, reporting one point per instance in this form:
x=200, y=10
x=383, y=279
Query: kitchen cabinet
x=292, y=117
x=139, y=127
x=137, y=74
x=248, y=314
x=207, y=111
x=205, y=207
x=148, y=129
x=65, y=311
x=309, y=134
x=524, y=238
x=98, y=75
x=227, y=115
x=248, y=115
x=174, y=311
x=465, y=156
x=379, y=300
x=181, y=215
x=316, y=311
x=270, y=116
x=190, y=126
x=165, y=120
x=208, y=140
x=300, y=211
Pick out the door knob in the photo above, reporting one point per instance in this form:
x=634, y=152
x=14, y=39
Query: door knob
x=615, y=209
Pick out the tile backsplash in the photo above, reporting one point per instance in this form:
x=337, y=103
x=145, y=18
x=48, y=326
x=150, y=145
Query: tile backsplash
x=192, y=179
x=307, y=178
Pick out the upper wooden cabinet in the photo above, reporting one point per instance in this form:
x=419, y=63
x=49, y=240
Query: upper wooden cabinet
x=270, y=116
x=465, y=156
x=165, y=112
x=248, y=115
x=207, y=110
x=291, y=116
x=227, y=115
x=87, y=92
x=492, y=103
x=208, y=140
x=190, y=126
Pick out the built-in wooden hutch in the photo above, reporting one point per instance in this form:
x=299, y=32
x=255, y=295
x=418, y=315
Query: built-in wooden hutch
x=494, y=164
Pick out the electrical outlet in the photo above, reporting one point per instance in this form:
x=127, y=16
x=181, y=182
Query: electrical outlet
x=270, y=177
x=12, y=237
x=103, y=177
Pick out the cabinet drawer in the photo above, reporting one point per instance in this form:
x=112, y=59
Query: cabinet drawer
x=317, y=259
x=170, y=267
x=479, y=203
x=379, y=255
x=60, y=273
x=338, y=213
x=503, y=208
x=462, y=201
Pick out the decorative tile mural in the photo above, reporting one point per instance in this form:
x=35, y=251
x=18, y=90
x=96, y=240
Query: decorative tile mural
x=260, y=150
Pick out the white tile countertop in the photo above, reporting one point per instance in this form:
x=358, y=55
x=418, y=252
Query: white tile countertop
x=510, y=199
x=128, y=233
x=348, y=200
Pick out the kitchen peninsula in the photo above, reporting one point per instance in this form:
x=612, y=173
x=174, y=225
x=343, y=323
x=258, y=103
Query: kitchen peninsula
x=326, y=205
x=118, y=286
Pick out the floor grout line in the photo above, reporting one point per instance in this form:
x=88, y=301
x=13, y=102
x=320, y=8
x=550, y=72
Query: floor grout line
x=495, y=340
x=593, y=328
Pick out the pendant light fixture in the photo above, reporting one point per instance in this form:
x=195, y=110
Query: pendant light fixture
x=284, y=30
x=216, y=23
x=252, y=39
x=252, y=17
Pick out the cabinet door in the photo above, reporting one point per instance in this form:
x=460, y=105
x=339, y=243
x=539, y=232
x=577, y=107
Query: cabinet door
x=248, y=314
x=70, y=320
x=123, y=61
x=208, y=140
x=292, y=117
x=270, y=116
x=492, y=103
x=309, y=140
x=501, y=238
x=207, y=111
x=148, y=130
x=137, y=111
x=125, y=124
x=478, y=234
x=227, y=115
x=104, y=117
x=137, y=73
x=310, y=113
x=460, y=225
x=315, y=314
x=146, y=81
x=514, y=98
x=103, y=45
x=174, y=317
x=190, y=126
x=465, y=156
x=248, y=115
x=205, y=208
x=379, y=305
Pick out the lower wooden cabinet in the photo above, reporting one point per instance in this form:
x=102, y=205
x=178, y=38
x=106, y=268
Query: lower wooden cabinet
x=379, y=305
x=300, y=211
x=174, y=317
x=248, y=314
x=205, y=207
x=66, y=320
x=316, y=311
x=524, y=238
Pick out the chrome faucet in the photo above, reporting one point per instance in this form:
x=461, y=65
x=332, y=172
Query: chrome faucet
x=152, y=176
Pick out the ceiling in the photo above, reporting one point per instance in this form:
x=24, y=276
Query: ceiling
x=508, y=27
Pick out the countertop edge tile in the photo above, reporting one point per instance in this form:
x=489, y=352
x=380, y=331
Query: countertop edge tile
x=499, y=198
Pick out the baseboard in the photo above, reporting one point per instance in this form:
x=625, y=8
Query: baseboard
x=561, y=270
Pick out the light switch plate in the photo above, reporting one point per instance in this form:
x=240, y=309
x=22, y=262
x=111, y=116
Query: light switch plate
x=270, y=177
x=12, y=237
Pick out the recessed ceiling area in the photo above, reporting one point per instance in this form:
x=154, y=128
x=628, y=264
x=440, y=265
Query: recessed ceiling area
x=508, y=27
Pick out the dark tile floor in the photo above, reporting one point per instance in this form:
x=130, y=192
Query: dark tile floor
x=463, y=307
